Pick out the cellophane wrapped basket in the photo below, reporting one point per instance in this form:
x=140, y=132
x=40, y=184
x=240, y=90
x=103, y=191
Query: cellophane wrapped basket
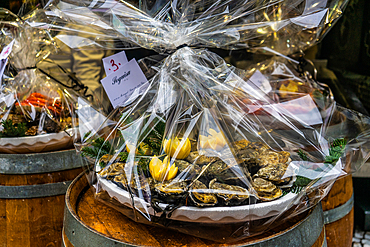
x=37, y=111
x=209, y=149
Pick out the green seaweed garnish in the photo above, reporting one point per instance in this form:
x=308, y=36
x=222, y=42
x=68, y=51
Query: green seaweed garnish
x=13, y=130
x=336, y=150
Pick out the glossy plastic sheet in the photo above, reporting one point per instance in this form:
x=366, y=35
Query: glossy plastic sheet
x=37, y=113
x=209, y=149
x=209, y=146
x=287, y=26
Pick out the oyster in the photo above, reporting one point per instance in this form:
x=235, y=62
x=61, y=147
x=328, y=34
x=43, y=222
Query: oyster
x=187, y=171
x=200, y=195
x=231, y=195
x=274, y=173
x=284, y=157
x=113, y=170
x=258, y=146
x=266, y=190
x=194, y=144
x=258, y=155
x=142, y=186
x=195, y=158
x=230, y=172
x=121, y=180
x=171, y=191
x=242, y=144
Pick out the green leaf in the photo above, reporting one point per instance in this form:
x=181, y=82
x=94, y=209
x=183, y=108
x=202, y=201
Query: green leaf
x=98, y=148
x=302, y=155
x=13, y=130
x=301, y=181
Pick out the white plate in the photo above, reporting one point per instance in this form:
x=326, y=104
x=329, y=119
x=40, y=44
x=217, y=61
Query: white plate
x=38, y=143
x=232, y=214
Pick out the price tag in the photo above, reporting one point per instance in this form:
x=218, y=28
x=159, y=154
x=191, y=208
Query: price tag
x=7, y=50
x=4, y=58
x=114, y=63
x=125, y=84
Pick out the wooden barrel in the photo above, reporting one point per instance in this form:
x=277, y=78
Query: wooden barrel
x=32, y=191
x=88, y=222
x=338, y=213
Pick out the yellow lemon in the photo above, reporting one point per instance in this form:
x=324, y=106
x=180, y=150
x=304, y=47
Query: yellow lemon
x=162, y=171
x=177, y=149
x=214, y=141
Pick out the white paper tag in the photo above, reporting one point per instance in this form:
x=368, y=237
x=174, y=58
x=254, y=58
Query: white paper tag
x=2, y=69
x=261, y=81
x=129, y=80
x=7, y=50
x=4, y=58
x=114, y=63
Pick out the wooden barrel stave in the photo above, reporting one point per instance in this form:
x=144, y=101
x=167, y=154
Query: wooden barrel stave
x=32, y=202
x=339, y=213
x=89, y=222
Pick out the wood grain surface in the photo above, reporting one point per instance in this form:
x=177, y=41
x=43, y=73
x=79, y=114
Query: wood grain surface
x=33, y=222
x=340, y=232
x=115, y=226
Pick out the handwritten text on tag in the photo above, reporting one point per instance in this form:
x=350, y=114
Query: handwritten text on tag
x=125, y=84
x=114, y=63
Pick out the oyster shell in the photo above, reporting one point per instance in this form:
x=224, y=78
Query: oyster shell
x=121, y=180
x=274, y=173
x=187, y=171
x=228, y=171
x=230, y=195
x=266, y=190
x=200, y=195
x=195, y=158
x=171, y=191
x=242, y=144
x=258, y=155
x=113, y=170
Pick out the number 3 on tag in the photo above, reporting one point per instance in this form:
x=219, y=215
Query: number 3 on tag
x=113, y=63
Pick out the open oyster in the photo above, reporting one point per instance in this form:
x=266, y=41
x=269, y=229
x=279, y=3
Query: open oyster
x=171, y=191
x=113, y=170
x=230, y=195
x=201, y=196
x=228, y=171
x=195, y=158
x=266, y=190
x=274, y=173
x=186, y=170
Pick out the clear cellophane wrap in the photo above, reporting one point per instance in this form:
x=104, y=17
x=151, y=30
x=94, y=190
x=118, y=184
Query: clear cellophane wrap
x=209, y=149
x=37, y=113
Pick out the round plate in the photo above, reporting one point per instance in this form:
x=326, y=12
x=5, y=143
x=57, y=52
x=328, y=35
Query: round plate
x=36, y=144
x=232, y=214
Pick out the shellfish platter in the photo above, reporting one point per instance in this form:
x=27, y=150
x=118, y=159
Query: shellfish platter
x=37, y=123
x=208, y=185
x=230, y=214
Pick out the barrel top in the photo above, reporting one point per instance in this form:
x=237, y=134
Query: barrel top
x=87, y=219
x=39, y=162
